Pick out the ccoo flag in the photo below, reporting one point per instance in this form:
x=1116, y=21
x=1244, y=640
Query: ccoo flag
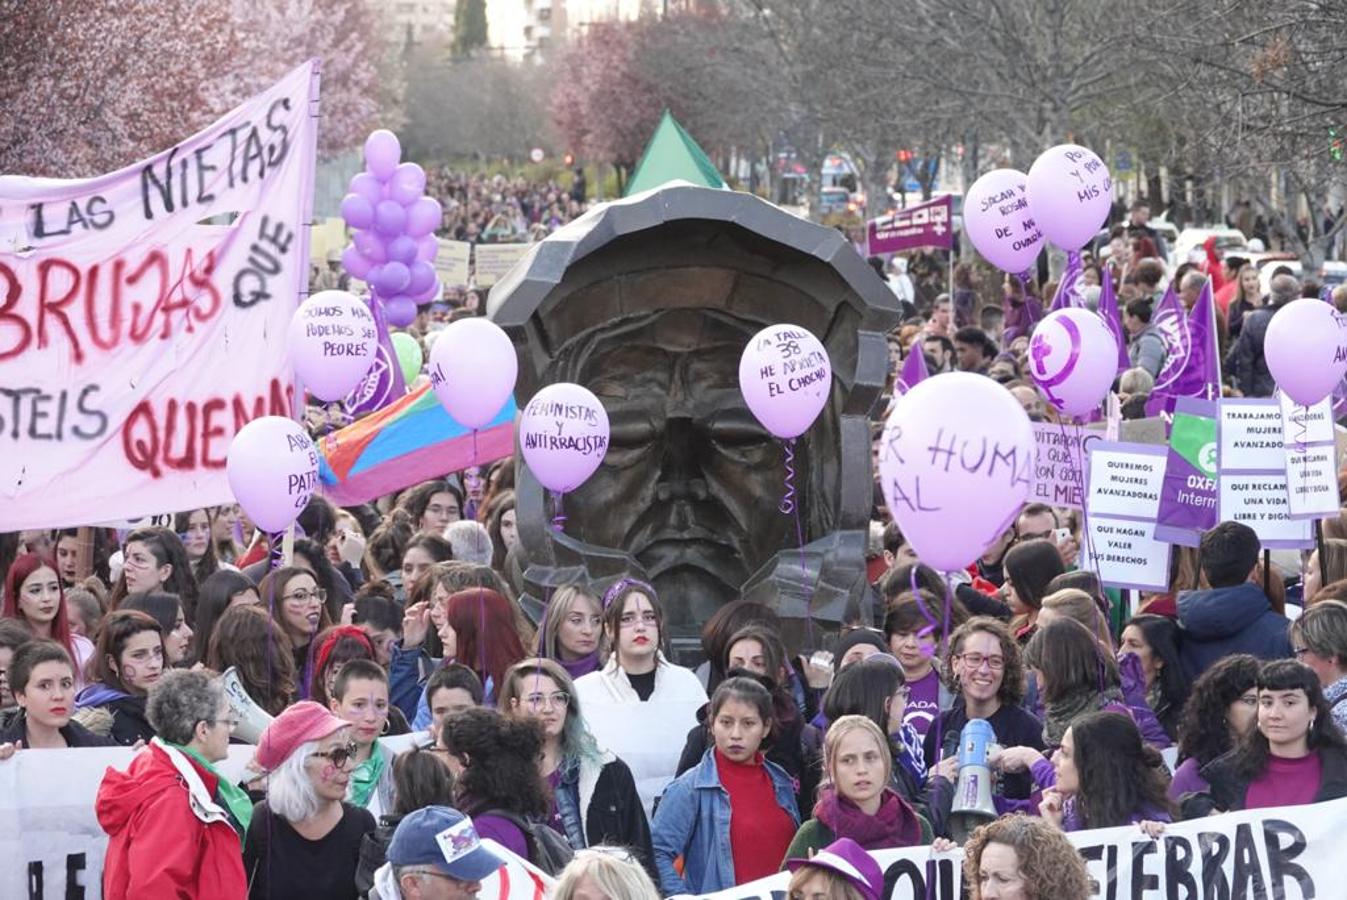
x=1193, y=367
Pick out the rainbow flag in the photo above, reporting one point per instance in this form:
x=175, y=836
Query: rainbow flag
x=406, y=442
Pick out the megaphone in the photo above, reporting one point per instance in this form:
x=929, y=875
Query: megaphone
x=973, y=794
x=252, y=719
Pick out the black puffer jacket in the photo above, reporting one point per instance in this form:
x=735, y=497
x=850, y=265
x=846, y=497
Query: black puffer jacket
x=1228, y=786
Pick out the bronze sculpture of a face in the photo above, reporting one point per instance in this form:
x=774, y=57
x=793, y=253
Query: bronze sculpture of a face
x=649, y=303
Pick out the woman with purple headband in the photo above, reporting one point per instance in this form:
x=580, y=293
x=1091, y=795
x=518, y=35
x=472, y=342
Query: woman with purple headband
x=650, y=738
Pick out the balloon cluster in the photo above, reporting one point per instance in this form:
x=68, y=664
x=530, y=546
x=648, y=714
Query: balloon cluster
x=394, y=246
x=1065, y=200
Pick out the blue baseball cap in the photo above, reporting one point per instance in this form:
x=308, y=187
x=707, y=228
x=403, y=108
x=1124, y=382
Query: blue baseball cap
x=444, y=839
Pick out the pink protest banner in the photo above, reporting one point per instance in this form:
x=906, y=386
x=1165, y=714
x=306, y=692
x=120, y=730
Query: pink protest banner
x=135, y=339
x=924, y=225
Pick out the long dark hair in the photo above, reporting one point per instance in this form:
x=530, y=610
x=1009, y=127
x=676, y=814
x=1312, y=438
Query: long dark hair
x=167, y=549
x=500, y=762
x=722, y=628
x=249, y=640
x=1069, y=658
x=420, y=780
x=1251, y=756
x=1120, y=775
x=1204, y=733
x=864, y=689
x=1030, y=567
x=209, y=563
x=1162, y=636
x=118, y=628
x=211, y=602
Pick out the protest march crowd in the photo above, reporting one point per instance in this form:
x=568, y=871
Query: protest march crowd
x=398, y=618
x=412, y=729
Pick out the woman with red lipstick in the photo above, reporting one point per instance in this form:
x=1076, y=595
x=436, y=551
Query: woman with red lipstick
x=43, y=682
x=732, y=817
x=298, y=605
x=33, y=594
x=130, y=660
x=856, y=802
x=637, y=670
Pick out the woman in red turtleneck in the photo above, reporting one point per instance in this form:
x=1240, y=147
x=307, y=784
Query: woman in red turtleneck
x=732, y=816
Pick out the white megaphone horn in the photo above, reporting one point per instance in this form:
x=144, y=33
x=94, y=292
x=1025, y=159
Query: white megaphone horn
x=252, y=719
x=973, y=794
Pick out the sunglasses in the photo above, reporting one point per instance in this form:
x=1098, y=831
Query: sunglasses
x=338, y=756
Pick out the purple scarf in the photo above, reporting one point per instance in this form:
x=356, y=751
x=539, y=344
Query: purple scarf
x=895, y=825
x=582, y=666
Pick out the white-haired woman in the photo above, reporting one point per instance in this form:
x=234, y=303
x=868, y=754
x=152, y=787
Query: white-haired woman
x=174, y=822
x=605, y=873
x=304, y=840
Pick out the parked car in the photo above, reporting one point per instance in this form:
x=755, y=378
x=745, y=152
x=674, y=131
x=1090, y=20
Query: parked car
x=1191, y=240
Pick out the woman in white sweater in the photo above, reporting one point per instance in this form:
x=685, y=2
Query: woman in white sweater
x=640, y=705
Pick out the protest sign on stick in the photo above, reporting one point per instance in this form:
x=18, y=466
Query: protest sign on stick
x=135, y=341
x=492, y=261
x=1125, y=481
x=1311, y=458
x=1253, y=474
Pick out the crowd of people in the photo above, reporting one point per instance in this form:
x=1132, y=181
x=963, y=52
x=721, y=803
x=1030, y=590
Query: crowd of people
x=400, y=618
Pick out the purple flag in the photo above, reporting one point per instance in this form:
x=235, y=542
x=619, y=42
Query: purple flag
x=924, y=225
x=1108, y=311
x=383, y=382
x=1021, y=319
x=1198, y=369
x=1068, y=288
x=914, y=370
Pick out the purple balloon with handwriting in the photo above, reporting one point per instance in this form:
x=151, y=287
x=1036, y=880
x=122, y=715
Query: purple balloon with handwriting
x=473, y=368
x=786, y=378
x=956, y=462
x=1073, y=359
x=332, y=343
x=1070, y=193
x=997, y=219
x=272, y=468
x=563, y=434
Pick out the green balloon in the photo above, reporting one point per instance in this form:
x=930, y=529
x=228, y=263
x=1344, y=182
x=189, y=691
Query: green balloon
x=409, y=355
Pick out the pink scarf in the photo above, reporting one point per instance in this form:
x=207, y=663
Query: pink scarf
x=895, y=825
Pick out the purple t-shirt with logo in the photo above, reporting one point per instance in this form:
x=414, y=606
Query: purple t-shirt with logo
x=923, y=704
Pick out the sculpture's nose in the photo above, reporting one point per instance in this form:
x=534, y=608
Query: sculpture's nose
x=681, y=471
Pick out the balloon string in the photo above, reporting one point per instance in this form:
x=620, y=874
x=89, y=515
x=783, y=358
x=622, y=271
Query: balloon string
x=276, y=550
x=474, y=446
x=559, y=526
x=790, y=504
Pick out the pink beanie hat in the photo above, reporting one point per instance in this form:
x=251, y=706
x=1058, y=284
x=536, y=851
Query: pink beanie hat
x=305, y=721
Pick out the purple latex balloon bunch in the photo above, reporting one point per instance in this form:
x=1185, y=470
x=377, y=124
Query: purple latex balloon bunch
x=394, y=246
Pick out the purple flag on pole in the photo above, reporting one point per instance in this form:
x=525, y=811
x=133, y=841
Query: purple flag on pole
x=1020, y=319
x=924, y=225
x=1068, y=288
x=383, y=382
x=1198, y=373
x=1108, y=311
x=914, y=370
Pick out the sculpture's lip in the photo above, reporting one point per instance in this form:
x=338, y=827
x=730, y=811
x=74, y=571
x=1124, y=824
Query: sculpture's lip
x=693, y=534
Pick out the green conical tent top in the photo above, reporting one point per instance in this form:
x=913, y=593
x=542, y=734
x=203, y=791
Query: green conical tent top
x=672, y=154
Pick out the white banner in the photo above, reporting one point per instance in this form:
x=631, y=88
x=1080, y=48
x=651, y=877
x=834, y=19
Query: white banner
x=1288, y=853
x=135, y=339
x=51, y=845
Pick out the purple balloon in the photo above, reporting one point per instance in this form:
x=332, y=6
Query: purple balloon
x=389, y=218
x=407, y=183
x=422, y=277
x=1073, y=359
x=429, y=293
x=371, y=246
x=402, y=249
x=956, y=463
x=272, y=468
x=382, y=152
x=424, y=216
x=1306, y=350
x=332, y=343
x=1070, y=193
x=563, y=434
x=473, y=370
x=997, y=219
x=400, y=311
x=390, y=278
x=356, y=211
x=369, y=187
x=786, y=379
x=355, y=263
x=426, y=246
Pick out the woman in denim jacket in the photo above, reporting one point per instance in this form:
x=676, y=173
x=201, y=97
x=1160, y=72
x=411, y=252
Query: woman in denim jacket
x=731, y=817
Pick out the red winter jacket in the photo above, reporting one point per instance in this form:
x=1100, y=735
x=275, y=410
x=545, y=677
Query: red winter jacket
x=169, y=838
